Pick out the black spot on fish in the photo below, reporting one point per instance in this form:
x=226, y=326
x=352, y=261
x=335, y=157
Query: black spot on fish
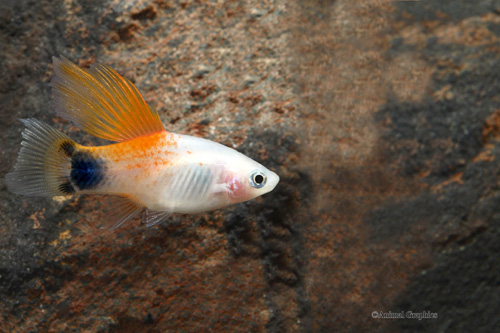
x=66, y=188
x=68, y=147
x=86, y=170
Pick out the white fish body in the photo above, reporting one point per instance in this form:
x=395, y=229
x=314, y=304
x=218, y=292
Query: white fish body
x=189, y=176
x=149, y=169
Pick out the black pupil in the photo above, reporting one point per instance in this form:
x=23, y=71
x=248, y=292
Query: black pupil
x=259, y=179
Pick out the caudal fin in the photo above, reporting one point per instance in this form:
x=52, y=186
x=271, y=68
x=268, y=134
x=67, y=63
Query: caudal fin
x=43, y=165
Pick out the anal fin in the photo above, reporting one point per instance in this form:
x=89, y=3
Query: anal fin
x=121, y=209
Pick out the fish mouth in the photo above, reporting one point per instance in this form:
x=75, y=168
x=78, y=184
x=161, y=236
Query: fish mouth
x=273, y=180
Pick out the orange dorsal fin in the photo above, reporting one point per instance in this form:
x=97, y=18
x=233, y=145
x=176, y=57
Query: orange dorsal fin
x=101, y=102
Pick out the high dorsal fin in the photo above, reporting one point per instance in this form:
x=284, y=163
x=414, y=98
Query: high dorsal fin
x=101, y=102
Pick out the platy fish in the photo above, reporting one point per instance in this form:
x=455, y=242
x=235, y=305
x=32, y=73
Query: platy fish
x=148, y=169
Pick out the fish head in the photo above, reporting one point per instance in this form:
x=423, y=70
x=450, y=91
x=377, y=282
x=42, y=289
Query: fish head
x=245, y=179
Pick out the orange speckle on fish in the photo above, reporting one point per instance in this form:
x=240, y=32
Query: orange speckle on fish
x=139, y=152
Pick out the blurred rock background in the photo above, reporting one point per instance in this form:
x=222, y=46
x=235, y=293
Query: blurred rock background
x=381, y=117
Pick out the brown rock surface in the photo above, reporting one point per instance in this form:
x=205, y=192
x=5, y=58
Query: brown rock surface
x=381, y=117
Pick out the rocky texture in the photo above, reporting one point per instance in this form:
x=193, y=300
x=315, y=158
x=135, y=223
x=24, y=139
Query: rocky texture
x=381, y=118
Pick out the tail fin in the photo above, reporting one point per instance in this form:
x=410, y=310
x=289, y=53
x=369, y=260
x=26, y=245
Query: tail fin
x=43, y=165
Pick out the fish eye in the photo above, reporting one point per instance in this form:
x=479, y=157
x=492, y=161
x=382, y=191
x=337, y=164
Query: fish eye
x=258, y=179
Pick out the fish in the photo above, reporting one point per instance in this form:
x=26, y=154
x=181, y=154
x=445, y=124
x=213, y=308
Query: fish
x=145, y=169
